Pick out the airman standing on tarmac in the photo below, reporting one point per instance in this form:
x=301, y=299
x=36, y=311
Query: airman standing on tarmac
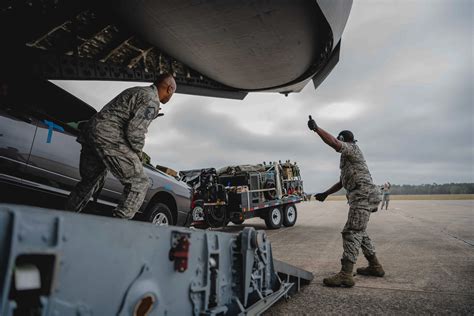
x=113, y=140
x=363, y=198
x=385, y=195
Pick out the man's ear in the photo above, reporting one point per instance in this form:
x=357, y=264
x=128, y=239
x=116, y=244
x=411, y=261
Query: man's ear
x=169, y=89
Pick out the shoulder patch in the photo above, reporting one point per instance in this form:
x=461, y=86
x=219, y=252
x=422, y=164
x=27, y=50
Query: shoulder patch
x=150, y=113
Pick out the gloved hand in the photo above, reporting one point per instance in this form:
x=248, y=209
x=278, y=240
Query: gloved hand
x=312, y=124
x=321, y=196
x=144, y=158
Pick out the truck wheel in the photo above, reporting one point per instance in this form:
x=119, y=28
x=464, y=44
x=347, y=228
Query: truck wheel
x=290, y=215
x=160, y=215
x=274, y=218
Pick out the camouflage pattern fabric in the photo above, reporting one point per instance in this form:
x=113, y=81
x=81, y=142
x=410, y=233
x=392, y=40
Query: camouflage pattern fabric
x=356, y=178
x=113, y=140
x=385, y=201
x=363, y=198
x=93, y=172
x=354, y=235
x=122, y=124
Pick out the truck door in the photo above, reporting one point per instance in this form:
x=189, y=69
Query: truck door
x=16, y=136
x=54, y=161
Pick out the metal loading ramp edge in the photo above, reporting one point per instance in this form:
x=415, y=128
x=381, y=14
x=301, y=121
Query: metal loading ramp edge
x=59, y=263
x=290, y=273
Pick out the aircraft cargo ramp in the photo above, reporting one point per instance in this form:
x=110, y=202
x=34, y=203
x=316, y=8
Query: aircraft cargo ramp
x=59, y=263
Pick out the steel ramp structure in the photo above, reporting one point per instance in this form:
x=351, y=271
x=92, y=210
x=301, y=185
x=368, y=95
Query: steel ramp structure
x=292, y=274
x=60, y=263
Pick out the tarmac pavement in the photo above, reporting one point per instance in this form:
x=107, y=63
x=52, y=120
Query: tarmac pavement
x=425, y=247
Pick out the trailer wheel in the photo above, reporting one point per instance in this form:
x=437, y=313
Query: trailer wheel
x=237, y=221
x=290, y=215
x=274, y=218
x=216, y=216
x=197, y=212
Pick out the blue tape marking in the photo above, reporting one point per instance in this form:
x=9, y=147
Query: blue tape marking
x=167, y=187
x=52, y=126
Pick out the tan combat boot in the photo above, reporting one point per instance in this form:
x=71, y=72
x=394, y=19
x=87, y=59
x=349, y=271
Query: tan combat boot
x=344, y=277
x=374, y=268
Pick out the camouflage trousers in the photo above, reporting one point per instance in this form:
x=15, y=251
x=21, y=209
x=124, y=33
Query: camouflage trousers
x=385, y=201
x=125, y=166
x=354, y=235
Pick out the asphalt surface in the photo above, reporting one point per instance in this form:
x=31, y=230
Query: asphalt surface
x=425, y=247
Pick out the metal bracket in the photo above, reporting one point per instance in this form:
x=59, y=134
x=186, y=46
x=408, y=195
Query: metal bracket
x=179, y=252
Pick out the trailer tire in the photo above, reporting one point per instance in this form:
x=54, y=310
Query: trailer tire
x=237, y=221
x=197, y=213
x=216, y=216
x=274, y=218
x=290, y=215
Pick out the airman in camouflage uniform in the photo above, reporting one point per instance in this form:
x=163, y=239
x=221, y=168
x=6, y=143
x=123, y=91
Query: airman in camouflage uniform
x=385, y=195
x=113, y=139
x=363, y=199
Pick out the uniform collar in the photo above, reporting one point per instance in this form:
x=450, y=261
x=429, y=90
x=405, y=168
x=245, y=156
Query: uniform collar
x=155, y=92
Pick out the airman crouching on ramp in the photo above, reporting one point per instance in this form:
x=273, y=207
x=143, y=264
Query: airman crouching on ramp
x=113, y=139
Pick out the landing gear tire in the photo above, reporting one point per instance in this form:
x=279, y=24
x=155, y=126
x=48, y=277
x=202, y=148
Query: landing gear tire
x=160, y=215
x=274, y=218
x=290, y=215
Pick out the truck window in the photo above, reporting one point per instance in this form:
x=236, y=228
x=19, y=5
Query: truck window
x=43, y=98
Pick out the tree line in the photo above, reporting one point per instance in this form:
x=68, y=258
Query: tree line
x=446, y=188
x=420, y=189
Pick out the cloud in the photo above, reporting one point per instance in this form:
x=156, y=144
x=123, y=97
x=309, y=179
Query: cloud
x=341, y=111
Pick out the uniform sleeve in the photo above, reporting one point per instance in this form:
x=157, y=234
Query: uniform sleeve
x=350, y=151
x=146, y=109
x=345, y=149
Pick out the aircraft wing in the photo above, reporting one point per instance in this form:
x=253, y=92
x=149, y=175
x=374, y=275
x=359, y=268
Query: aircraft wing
x=213, y=48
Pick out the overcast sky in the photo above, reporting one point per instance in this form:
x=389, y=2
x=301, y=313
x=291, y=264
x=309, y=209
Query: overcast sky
x=403, y=85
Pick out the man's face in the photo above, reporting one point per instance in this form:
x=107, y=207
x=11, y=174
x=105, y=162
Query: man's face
x=166, y=92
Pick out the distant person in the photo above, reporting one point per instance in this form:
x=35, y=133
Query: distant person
x=113, y=140
x=363, y=198
x=386, y=195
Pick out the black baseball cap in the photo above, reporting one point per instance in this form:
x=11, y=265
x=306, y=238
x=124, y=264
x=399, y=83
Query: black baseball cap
x=346, y=136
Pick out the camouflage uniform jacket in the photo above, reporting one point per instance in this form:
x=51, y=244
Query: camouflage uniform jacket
x=123, y=122
x=356, y=178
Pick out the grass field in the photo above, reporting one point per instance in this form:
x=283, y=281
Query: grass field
x=417, y=197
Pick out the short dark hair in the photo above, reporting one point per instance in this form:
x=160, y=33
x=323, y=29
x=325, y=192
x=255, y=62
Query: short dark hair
x=346, y=136
x=163, y=77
